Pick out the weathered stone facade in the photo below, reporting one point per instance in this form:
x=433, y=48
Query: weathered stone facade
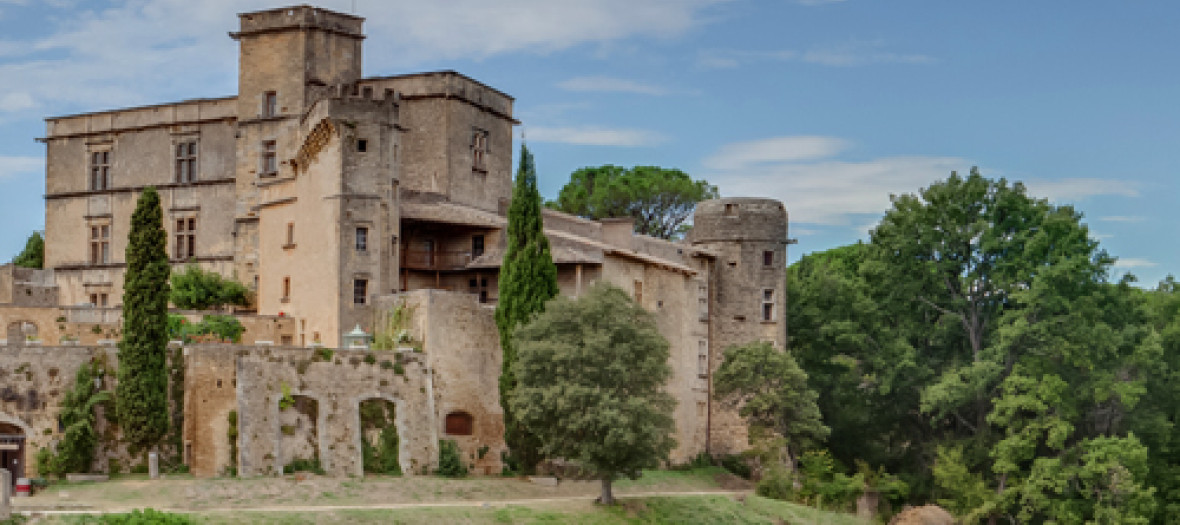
x=338, y=200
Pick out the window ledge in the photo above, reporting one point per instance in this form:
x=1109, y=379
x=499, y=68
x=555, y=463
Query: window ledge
x=290, y=246
x=284, y=299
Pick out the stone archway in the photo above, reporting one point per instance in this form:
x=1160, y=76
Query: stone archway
x=299, y=434
x=13, y=446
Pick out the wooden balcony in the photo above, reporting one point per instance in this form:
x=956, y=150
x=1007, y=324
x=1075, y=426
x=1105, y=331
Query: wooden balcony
x=435, y=260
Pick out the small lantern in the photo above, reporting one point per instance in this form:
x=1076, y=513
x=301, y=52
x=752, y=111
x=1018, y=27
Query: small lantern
x=357, y=338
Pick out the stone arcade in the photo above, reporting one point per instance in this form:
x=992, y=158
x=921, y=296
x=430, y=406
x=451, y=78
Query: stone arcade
x=339, y=200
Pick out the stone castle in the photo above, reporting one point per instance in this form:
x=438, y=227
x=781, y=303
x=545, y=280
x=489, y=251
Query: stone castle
x=347, y=201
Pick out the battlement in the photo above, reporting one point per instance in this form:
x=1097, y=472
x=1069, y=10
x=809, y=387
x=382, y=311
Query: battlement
x=298, y=18
x=740, y=219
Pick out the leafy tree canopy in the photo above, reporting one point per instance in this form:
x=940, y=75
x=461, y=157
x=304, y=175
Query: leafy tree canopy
x=592, y=374
x=660, y=200
x=33, y=256
x=198, y=289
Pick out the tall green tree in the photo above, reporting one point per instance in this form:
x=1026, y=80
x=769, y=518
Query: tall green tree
x=33, y=256
x=142, y=392
x=661, y=200
x=770, y=390
x=592, y=374
x=528, y=278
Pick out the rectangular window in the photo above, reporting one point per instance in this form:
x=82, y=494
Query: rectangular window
x=270, y=104
x=479, y=150
x=703, y=359
x=476, y=246
x=362, y=239
x=286, y=290
x=768, y=258
x=100, y=244
x=100, y=170
x=362, y=145
x=270, y=160
x=100, y=300
x=186, y=162
x=639, y=292
x=768, y=304
x=290, y=235
x=703, y=302
x=185, y=246
x=360, y=291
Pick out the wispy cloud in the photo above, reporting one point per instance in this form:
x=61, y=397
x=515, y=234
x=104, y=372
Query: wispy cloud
x=744, y=155
x=1122, y=218
x=847, y=54
x=179, y=49
x=610, y=85
x=594, y=136
x=1068, y=190
x=1127, y=263
x=12, y=166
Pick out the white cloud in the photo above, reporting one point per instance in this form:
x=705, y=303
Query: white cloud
x=11, y=166
x=1127, y=263
x=610, y=85
x=593, y=136
x=744, y=155
x=1063, y=190
x=179, y=49
x=818, y=189
x=1122, y=218
x=16, y=101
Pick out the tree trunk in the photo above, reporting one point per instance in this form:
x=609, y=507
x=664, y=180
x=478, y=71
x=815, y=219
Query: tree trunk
x=607, y=498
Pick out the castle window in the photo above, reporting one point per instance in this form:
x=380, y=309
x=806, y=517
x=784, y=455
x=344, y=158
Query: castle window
x=362, y=145
x=362, y=239
x=186, y=239
x=290, y=236
x=476, y=246
x=270, y=159
x=360, y=291
x=703, y=302
x=768, y=258
x=731, y=210
x=100, y=170
x=638, y=292
x=768, y=304
x=100, y=244
x=459, y=424
x=479, y=150
x=286, y=290
x=270, y=104
x=99, y=299
x=186, y=162
x=703, y=359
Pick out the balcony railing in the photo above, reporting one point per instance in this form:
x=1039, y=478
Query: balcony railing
x=435, y=260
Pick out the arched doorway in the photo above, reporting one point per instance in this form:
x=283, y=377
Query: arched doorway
x=12, y=450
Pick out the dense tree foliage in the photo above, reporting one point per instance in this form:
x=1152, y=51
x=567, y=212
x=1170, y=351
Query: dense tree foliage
x=198, y=289
x=142, y=392
x=660, y=200
x=33, y=256
x=591, y=374
x=770, y=390
x=75, y=452
x=528, y=278
x=977, y=347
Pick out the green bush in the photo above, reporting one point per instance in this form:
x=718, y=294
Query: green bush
x=212, y=328
x=197, y=289
x=777, y=483
x=449, y=463
x=737, y=465
x=304, y=465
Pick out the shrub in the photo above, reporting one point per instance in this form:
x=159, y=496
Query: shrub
x=737, y=465
x=197, y=289
x=304, y=465
x=449, y=463
x=212, y=328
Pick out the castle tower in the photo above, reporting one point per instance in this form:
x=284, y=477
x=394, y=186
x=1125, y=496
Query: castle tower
x=748, y=293
x=289, y=58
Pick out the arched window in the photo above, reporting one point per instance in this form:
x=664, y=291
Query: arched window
x=458, y=424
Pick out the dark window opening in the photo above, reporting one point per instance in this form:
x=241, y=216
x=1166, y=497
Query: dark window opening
x=360, y=291
x=100, y=170
x=270, y=104
x=459, y=424
x=476, y=245
x=362, y=239
x=186, y=162
x=362, y=145
x=768, y=258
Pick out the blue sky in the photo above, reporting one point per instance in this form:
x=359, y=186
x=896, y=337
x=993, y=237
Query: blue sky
x=828, y=105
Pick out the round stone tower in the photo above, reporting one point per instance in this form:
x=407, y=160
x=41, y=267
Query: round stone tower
x=747, y=296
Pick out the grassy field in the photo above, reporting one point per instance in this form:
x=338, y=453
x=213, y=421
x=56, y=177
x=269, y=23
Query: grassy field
x=708, y=495
x=685, y=510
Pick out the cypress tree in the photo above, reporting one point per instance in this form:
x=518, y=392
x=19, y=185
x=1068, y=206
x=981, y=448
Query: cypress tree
x=33, y=255
x=142, y=392
x=528, y=278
